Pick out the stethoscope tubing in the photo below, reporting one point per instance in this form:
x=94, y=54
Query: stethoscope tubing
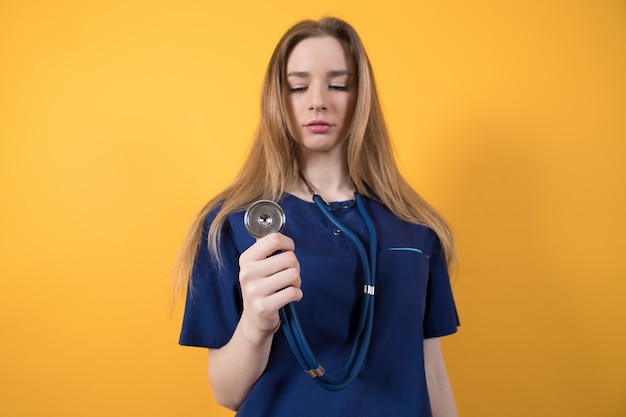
x=293, y=330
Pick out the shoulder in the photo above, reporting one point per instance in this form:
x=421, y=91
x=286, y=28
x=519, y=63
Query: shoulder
x=227, y=228
x=235, y=229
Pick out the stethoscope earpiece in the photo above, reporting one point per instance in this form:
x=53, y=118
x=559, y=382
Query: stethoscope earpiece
x=264, y=217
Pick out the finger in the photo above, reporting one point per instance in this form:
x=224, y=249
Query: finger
x=252, y=271
x=268, y=245
x=265, y=296
x=272, y=303
x=267, y=286
x=263, y=312
x=274, y=264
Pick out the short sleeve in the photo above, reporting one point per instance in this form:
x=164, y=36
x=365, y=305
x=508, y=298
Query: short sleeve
x=440, y=318
x=213, y=304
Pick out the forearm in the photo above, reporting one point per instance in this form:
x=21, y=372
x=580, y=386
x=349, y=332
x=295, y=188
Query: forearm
x=442, y=401
x=267, y=284
x=235, y=368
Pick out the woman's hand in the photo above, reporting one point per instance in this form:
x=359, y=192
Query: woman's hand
x=268, y=282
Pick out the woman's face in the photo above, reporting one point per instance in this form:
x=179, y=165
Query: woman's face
x=320, y=95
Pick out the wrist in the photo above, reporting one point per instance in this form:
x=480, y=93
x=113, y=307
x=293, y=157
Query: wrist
x=256, y=336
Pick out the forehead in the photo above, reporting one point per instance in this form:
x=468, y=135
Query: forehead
x=324, y=53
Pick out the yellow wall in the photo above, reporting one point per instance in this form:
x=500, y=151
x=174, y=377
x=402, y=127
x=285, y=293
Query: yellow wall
x=118, y=119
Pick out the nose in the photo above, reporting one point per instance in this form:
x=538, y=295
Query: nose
x=317, y=107
x=317, y=100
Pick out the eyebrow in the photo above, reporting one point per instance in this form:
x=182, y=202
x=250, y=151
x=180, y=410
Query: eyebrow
x=330, y=74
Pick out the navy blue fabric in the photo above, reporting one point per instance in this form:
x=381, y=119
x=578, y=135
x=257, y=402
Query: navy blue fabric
x=413, y=301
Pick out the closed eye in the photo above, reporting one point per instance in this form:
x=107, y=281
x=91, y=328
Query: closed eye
x=338, y=87
x=297, y=89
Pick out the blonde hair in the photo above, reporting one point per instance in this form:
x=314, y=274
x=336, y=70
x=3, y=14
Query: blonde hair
x=271, y=165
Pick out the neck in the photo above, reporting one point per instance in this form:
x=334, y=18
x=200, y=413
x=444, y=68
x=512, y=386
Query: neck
x=330, y=180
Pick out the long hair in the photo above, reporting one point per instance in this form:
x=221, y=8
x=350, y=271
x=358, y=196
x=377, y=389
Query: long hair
x=272, y=166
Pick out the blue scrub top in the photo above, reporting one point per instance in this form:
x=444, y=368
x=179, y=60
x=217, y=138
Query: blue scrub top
x=413, y=301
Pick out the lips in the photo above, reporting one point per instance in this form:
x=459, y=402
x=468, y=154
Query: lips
x=318, y=126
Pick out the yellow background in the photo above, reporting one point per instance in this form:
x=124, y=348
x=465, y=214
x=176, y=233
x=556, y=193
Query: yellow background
x=119, y=119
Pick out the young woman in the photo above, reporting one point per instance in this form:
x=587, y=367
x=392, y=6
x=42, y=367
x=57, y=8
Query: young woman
x=322, y=134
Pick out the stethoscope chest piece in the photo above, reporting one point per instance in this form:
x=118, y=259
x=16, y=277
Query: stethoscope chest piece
x=264, y=217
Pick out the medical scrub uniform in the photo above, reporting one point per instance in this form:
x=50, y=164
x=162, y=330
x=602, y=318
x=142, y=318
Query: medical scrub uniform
x=413, y=301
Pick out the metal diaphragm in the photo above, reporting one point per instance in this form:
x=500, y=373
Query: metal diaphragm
x=264, y=217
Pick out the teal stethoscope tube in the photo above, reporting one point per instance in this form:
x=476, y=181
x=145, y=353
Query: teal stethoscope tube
x=291, y=325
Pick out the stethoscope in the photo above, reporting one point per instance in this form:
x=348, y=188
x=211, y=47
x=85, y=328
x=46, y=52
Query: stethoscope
x=264, y=217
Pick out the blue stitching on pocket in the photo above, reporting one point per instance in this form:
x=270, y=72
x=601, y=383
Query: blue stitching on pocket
x=410, y=250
